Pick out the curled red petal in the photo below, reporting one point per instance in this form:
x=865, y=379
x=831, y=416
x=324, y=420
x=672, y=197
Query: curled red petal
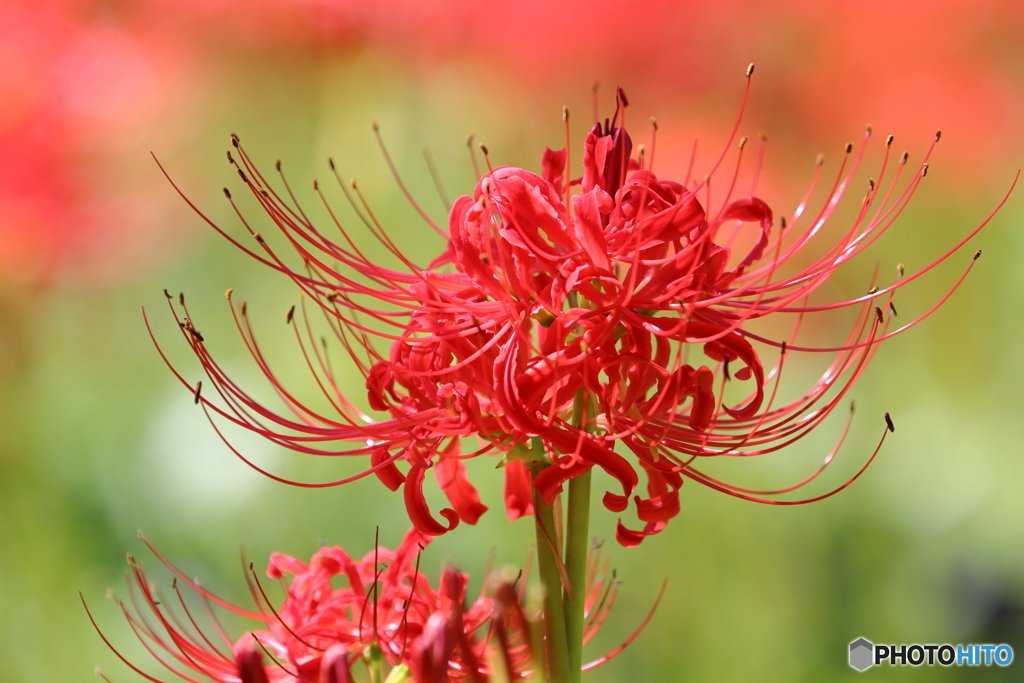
x=594, y=454
x=280, y=563
x=751, y=210
x=389, y=474
x=658, y=508
x=451, y=477
x=553, y=168
x=419, y=512
x=628, y=538
x=548, y=481
x=518, y=492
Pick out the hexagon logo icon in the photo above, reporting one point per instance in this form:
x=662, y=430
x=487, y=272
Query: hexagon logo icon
x=861, y=654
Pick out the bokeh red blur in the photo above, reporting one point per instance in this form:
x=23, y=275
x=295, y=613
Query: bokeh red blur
x=89, y=85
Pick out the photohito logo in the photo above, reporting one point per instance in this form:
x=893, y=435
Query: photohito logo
x=865, y=654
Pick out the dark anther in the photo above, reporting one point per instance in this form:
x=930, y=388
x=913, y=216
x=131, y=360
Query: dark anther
x=621, y=94
x=849, y=147
x=892, y=307
x=330, y=162
x=231, y=159
x=291, y=314
x=783, y=348
x=241, y=174
x=888, y=141
x=483, y=148
x=227, y=193
x=853, y=406
x=725, y=367
x=889, y=424
x=906, y=155
x=168, y=294
x=234, y=140
x=199, y=389
x=977, y=255
x=878, y=314
x=181, y=298
x=277, y=164
x=938, y=135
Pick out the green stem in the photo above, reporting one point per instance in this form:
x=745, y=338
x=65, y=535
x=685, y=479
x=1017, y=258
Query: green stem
x=374, y=659
x=577, y=529
x=554, y=618
x=399, y=674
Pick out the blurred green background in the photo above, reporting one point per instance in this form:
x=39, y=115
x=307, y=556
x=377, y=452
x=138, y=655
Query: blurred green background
x=99, y=440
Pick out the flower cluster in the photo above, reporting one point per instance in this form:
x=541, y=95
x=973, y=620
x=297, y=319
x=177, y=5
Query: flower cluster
x=386, y=615
x=566, y=316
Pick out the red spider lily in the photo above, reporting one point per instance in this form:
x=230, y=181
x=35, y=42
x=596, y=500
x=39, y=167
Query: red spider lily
x=386, y=612
x=319, y=631
x=573, y=319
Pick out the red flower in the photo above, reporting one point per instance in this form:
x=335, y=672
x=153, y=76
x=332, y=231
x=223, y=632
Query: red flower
x=574, y=320
x=386, y=614
x=319, y=631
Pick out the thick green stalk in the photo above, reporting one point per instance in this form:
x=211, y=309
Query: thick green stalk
x=576, y=536
x=550, y=578
x=374, y=658
x=577, y=529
